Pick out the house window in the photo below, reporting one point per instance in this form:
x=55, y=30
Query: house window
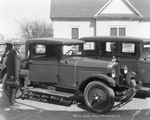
x=122, y=31
x=113, y=31
x=75, y=33
x=117, y=31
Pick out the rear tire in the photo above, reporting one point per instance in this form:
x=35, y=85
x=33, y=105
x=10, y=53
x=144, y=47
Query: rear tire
x=6, y=87
x=99, y=97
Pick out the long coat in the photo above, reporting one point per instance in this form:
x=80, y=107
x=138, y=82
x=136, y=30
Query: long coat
x=13, y=64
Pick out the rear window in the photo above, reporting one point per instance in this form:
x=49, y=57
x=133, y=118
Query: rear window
x=42, y=51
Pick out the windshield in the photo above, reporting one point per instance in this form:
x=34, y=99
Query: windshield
x=146, y=52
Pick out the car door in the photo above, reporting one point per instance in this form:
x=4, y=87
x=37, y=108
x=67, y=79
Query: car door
x=43, y=64
x=68, y=66
x=144, y=67
x=128, y=55
x=144, y=71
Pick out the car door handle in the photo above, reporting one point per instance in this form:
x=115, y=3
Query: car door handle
x=66, y=61
x=29, y=62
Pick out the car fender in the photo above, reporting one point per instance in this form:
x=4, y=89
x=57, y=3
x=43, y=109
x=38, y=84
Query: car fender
x=98, y=77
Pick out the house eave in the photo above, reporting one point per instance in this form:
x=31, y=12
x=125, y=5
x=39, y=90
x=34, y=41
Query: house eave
x=71, y=18
x=141, y=19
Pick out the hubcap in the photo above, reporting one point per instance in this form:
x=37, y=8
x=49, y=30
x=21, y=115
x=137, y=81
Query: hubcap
x=98, y=98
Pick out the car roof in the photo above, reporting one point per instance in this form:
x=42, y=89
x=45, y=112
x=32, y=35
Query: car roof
x=54, y=41
x=115, y=38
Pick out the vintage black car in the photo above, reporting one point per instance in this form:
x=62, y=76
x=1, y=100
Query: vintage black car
x=131, y=51
x=60, y=73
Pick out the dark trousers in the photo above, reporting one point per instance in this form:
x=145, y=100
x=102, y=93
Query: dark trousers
x=12, y=93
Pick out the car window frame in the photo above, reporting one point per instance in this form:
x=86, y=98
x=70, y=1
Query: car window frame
x=128, y=55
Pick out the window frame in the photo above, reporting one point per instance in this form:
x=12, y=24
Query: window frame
x=44, y=56
x=74, y=33
x=128, y=55
x=103, y=52
x=118, y=30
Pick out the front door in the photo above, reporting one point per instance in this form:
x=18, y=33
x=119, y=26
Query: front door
x=68, y=66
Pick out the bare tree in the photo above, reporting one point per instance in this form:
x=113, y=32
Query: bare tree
x=35, y=29
x=1, y=37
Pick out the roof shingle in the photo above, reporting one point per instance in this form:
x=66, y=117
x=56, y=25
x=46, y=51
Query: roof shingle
x=88, y=8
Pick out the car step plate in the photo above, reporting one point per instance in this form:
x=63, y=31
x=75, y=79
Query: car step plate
x=48, y=96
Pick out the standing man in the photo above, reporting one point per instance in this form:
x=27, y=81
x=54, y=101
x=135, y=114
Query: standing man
x=4, y=58
x=13, y=69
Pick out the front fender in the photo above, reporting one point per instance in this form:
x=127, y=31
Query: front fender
x=106, y=79
x=98, y=77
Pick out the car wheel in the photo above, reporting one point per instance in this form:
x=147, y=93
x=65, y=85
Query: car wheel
x=6, y=87
x=99, y=97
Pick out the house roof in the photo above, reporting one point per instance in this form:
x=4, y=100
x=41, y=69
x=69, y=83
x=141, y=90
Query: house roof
x=62, y=9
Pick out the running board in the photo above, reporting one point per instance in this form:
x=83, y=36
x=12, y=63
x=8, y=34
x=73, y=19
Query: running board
x=48, y=96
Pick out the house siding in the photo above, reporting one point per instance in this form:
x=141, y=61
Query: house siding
x=63, y=28
x=144, y=29
x=103, y=27
x=97, y=20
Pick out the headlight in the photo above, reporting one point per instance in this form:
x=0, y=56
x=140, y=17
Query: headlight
x=113, y=73
x=0, y=58
x=124, y=69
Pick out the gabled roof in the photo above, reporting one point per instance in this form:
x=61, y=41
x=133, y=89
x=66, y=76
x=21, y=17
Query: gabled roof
x=74, y=9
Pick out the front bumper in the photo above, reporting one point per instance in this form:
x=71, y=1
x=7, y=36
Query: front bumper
x=128, y=94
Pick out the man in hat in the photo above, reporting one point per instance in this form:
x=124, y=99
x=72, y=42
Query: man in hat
x=9, y=63
x=4, y=58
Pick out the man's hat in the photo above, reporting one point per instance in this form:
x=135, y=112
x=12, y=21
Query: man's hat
x=8, y=43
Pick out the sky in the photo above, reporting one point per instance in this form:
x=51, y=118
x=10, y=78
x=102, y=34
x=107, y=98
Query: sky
x=14, y=11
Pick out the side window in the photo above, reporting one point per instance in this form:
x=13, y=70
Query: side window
x=71, y=50
x=108, y=48
x=41, y=51
x=90, y=48
x=128, y=49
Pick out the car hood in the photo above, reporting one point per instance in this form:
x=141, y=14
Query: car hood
x=89, y=62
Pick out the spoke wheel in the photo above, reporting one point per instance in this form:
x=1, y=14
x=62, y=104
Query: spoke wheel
x=99, y=97
x=6, y=88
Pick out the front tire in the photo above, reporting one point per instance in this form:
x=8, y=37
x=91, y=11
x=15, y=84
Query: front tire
x=99, y=97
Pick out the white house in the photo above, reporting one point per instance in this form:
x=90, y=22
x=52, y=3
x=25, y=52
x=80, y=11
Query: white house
x=80, y=18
